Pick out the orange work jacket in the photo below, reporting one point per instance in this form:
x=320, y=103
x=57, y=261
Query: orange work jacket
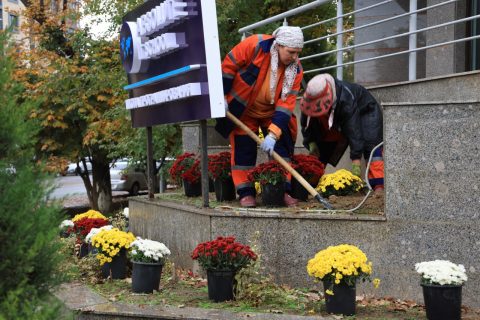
x=244, y=70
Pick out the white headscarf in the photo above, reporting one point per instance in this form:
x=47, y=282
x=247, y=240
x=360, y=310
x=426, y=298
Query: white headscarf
x=291, y=37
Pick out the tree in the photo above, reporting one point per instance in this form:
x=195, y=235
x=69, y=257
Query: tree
x=28, y=223
x=81, y=105
x=79, y=82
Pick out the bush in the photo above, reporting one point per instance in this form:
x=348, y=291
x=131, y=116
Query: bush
x=28, y=223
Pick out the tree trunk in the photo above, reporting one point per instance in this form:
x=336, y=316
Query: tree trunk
x=102, y=184
x=99, y=189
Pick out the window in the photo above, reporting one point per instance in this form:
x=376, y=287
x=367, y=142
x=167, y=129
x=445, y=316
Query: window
x=13, y=22
x=1, y=15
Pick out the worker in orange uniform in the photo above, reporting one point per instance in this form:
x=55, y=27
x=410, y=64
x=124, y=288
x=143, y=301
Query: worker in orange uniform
x=261, y=81
x=337, y=114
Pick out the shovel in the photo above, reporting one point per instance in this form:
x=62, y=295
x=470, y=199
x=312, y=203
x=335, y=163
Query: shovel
x=284, y=163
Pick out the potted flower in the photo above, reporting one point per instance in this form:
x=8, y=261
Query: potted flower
x=310, y=168
x=89, y=214
x=148, y=258
x=339, y=268
x=65, y=228
x=442, y=283
x=222, y=258
x=186, y=168
x=82, y=227
x=112, y=246
x=271, y=176
x=219, y=169
x=94, y=231
x=339, y=183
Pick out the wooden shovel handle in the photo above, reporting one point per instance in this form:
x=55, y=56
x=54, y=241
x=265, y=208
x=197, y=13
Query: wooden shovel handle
x=284, y=163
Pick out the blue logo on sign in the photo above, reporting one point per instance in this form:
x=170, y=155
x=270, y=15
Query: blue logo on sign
x=126, y=46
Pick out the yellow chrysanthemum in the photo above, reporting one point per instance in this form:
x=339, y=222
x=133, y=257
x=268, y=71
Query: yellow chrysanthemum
x=92, y=214
x=340, y=263
x=341, y=182
x=110, y=243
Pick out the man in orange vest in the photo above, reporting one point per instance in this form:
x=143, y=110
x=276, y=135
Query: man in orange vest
x=337, y=114
x=261, y=81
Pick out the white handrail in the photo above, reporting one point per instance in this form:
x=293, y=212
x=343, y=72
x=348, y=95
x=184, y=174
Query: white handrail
x=391, y=37
x=379, y=21
x=346, y=14
x=395, y=54
x=283, y=15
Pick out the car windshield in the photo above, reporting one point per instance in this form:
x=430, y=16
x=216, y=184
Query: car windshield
x=120, y=166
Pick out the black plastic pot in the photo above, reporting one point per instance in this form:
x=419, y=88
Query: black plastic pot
x=83, y=251
x=220, y=285
x=442, y=302
x=343, y=299
x=117, y=268
x=92, y=249
x=225, y=189
x=272, y=195
x=192, y=189
x=298, y=191
x=146, y=276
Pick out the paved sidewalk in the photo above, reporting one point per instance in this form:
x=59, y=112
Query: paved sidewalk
x=89, y=305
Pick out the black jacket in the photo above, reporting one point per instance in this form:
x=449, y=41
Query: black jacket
x=358, y=116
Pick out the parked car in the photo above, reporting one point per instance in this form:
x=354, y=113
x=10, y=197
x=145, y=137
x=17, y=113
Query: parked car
x=127, y=178
x=71, y=169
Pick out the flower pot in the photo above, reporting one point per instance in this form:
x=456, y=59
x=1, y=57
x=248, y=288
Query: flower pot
x=92, y=249
x=64, y=234
x=442, y=302
x=146, y=276
x=343, y=299
x=272, y=195
x=192, y=189
x=220, y=285
x=225, y=189
x=298, y=191
x=117, y=269
x=83, y=251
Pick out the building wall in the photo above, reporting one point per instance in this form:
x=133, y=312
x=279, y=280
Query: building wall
x=13, y=8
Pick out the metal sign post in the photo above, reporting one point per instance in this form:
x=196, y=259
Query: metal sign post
x=204, y=162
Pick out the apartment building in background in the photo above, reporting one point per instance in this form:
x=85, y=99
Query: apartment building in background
x=11, y=16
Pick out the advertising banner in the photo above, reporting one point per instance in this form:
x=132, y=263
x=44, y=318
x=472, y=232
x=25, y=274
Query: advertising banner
x=171, y=53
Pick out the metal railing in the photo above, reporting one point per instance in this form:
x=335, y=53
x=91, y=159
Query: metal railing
x=339, y=32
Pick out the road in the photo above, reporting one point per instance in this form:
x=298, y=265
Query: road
x=68, y=185
x=73, y=185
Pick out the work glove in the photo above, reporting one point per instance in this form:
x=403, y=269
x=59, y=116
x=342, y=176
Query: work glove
x=313, y=149
x=268, y=143
x=356, y=169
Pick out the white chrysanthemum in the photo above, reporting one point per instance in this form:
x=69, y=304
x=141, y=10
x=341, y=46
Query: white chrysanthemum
x=442, y=272
x=66, y=224
x=94, y=231
x=153, y=250
x=126, y=212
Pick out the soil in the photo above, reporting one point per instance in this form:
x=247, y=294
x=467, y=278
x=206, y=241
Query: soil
x=374, y=204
